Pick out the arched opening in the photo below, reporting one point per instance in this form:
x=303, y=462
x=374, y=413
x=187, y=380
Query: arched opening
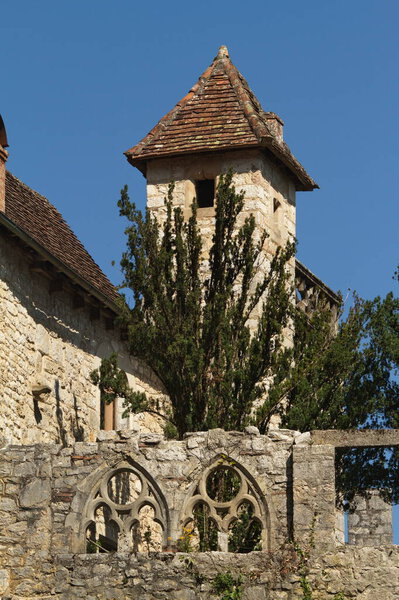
x=126, y=511
x=226, y=511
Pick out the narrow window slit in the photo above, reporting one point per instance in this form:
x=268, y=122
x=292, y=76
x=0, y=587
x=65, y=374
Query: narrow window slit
x=205, y=192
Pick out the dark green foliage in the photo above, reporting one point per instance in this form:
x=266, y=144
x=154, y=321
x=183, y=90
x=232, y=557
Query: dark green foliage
x=228, y=586
x=189, y=321
x=223, y=484
x=246, y=533
x=190, y=325
x=345, y=379
x=207, y=530
x=348, y=379
x=113, y=383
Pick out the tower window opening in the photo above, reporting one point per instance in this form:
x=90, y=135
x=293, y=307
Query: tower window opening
x=205, y=192
x=36, y=410
x=276, y=205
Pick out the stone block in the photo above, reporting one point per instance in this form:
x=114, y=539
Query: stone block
x=107, y=436
x=7, y=504
x=42, y=339
x=303, y=439
x=84, y=448
x=4, y=580
x=36, y=493
x=251, y=430
x=25, y=468
x=152, y=439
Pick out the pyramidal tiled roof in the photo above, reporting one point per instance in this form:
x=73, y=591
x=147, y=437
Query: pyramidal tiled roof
x=220, y=112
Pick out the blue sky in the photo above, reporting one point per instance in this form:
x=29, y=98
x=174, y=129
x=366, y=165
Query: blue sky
x=82, y=81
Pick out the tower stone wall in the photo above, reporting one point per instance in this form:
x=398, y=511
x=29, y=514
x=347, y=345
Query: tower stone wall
x=269, y=193
x=269, y=197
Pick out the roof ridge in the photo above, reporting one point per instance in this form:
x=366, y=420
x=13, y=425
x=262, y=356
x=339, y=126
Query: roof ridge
x=247, y=99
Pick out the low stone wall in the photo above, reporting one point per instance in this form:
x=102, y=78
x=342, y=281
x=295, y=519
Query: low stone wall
x=370, y=524
x=49, y=496
x=355, y=573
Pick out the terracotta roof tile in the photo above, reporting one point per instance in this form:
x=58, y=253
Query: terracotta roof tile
x=40, y=220
x=219, y=113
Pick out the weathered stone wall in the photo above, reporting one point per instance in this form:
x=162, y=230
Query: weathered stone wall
x=358, y=573
x=47, y=343
x=3, y=159
x=38, y=477
x=48, y=493
x=370, y=524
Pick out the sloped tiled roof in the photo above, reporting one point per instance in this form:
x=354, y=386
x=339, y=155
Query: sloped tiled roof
x=40, y=221
x=220, y=112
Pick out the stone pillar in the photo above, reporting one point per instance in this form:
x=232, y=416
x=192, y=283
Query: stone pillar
x=370, y=524
x=314, y=495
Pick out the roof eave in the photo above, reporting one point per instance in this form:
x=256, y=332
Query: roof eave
x=140, y=162
x=303, y=181
x=70, y=273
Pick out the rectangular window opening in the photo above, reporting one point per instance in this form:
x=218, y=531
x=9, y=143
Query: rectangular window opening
x=367, y=497
x=205, y=193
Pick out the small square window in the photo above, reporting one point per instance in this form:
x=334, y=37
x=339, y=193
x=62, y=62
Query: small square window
x=205, y=192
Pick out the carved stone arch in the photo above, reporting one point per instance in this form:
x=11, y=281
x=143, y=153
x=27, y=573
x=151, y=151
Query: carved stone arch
x=224, y=511
x=125, y=510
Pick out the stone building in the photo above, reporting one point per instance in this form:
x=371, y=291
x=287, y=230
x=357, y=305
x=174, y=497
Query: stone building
x=59, y=309
x=219, y=126
x=116, y=514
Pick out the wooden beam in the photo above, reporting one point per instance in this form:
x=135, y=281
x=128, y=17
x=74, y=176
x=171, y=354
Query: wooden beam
x=40, y=266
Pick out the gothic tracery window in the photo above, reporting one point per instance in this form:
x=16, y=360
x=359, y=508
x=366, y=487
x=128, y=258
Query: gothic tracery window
x=125, y=513
x=225, y=512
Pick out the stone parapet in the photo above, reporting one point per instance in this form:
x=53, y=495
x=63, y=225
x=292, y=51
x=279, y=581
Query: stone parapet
x=50, y=494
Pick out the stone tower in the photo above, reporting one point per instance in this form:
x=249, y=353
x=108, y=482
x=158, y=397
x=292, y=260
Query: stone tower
x=220, y=125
